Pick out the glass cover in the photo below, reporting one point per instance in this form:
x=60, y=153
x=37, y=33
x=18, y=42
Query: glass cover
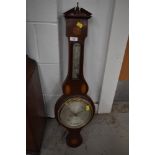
x=76, y=60
x=75, y=113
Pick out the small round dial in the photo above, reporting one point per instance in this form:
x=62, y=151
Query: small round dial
x=75, y=112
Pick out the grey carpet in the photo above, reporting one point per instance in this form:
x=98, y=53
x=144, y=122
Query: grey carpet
x=107, y=134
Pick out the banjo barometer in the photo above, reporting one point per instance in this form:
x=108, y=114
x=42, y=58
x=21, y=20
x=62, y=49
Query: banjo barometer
x=75, y=109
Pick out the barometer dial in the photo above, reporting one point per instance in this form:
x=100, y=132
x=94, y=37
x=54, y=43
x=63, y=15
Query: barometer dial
x=75, y=113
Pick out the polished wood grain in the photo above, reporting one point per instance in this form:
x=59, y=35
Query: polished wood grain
x=35, y=114
x=124, y=74
x=76, y=26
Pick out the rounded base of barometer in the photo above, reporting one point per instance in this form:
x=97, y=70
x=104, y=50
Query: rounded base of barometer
x=74, y=140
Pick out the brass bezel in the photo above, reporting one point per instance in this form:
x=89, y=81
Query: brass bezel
x=69, y=101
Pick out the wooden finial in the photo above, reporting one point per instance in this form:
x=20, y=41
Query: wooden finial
x=77, y=7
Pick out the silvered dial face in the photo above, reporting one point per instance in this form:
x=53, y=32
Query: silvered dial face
x=76, y=60
x=75, y=113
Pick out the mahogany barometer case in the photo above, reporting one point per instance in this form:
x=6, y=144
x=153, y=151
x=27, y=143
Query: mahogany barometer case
x=75, y=109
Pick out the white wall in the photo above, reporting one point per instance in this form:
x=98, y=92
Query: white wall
x=47, y=44
x=43, y=46
x=116, y=49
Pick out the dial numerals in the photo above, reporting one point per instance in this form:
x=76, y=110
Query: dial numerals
x=75, y=113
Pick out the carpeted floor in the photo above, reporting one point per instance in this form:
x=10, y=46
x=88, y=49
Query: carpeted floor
x=106, y=134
